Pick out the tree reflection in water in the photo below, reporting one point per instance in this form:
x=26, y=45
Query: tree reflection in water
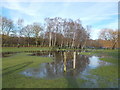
x=65, y=64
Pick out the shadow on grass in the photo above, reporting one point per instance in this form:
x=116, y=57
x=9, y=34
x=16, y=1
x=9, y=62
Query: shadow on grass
x=72, y=82
x=15, y=68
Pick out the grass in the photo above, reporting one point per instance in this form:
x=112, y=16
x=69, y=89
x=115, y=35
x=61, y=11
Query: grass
x=21, y=58
x=108, y=55
x=108, y=73
x=16, y=49
x=13, y=65
x=111, y=60
x=16, y=63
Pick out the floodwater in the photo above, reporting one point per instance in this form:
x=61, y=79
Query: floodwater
x=7, y=54
x=70, y=65
x=66, y=64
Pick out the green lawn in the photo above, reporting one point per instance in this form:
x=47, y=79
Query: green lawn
x=13, y=65
x=16, y=49
x=20, y=49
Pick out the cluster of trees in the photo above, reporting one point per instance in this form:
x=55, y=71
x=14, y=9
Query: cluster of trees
x=55, y=32
x=108, y=38
x=111, y=36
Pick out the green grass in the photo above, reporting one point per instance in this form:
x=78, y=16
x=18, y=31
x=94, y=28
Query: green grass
x=111, y=60
x=20, y=49
x=108, y=55
x=106, y=74
x=13, y=65
x=20, y=58
x=15, y=49
x=110, y=72
x=16, y=63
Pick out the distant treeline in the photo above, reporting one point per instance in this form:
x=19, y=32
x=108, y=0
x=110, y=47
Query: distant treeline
x=55, y=32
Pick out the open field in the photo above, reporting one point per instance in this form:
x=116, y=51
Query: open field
x=13, y=65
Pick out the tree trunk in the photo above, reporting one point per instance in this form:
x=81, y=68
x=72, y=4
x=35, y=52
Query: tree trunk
x=62, y=44
x=74, y=59
x=73, y=42
x=55, y=40
x=65, y=61
x=50, y=39
x=113, y=47
x=28, y=44
x=28, y=41
x=36, y=43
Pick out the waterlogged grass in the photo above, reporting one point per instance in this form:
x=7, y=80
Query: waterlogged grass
x=111, y=60
x=21, y=58
x=109, y=72
x=19, y=81
x=13, y=65
x=106, y=74
x=109, y=55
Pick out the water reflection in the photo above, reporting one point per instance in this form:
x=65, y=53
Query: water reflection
x=65, y=64
x=95, y=62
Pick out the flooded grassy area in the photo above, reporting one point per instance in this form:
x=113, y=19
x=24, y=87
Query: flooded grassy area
x=109, y=73
x=53, y=70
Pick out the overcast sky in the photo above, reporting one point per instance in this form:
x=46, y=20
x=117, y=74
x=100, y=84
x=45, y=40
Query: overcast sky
x=96, y=14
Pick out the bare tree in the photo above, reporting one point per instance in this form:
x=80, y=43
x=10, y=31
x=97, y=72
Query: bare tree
x=49, y=29
x=109, y=34
x=36, y=30
x=19, y=29
x=27, y=31
x=7, y=26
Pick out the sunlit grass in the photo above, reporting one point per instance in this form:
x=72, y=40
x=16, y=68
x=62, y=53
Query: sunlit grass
x=16, y=49
x=13, y=65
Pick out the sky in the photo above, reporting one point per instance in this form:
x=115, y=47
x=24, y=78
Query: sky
x=98, y=15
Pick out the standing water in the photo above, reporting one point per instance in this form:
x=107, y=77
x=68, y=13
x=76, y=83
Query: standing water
x=66, y=64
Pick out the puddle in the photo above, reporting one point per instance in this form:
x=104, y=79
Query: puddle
x=65, y=64
x=42, y=54
x=95, y=62
x=7, y=54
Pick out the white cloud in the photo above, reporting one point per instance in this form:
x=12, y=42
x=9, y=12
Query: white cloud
x=94, y=33
x=99, y=12
x=90, y=15
x=30, y=9
x=61, y=0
